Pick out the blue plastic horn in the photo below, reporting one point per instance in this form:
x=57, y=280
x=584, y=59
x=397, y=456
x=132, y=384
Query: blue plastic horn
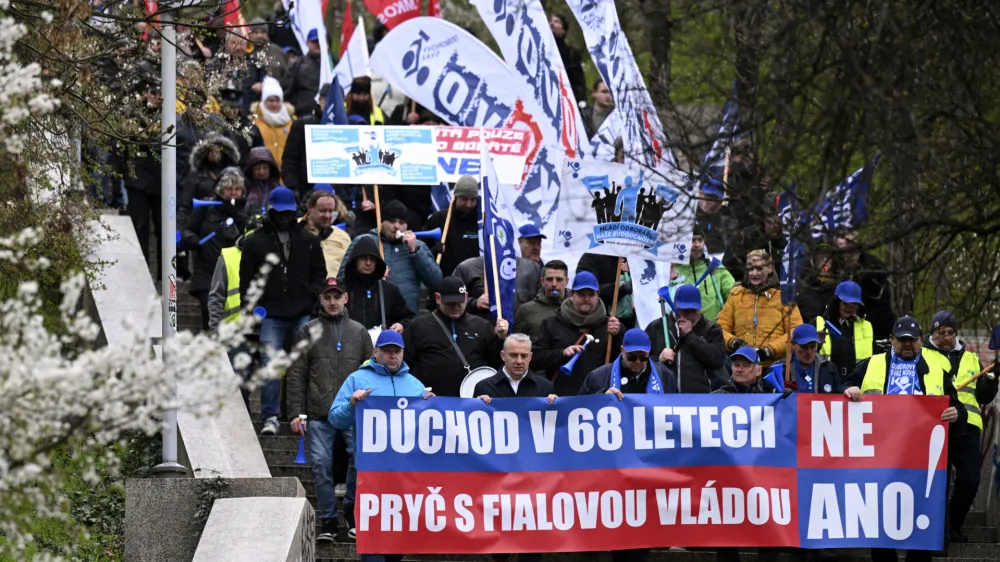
x=775, y=379
x=567, y=369
x=712, y=266
x=433, y=234
x=300, y=457
x=260, y=312
x=664, y=293
x=199, y=203
x=833, y=330
x=206, y=238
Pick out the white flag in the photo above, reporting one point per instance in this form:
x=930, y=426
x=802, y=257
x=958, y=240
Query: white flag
x=354, y=63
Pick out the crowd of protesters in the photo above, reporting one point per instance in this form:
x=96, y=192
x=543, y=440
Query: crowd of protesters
x=388, y=312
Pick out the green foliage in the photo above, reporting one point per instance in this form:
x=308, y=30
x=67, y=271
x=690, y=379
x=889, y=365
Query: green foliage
x=97, y=510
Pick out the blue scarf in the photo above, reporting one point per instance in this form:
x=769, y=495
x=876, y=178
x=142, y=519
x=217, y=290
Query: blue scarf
x=805, y=377
x=902, y=378
x=654, y=386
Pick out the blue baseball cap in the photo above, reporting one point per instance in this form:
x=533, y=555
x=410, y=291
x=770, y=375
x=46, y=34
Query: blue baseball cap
x=324, y=187
x=530, y=231
x=805, y=333
x=388, y=337
x=281, y=199
x=290, y=50
x=313, y=35
x=687, y=297
x=712, y=186
x=636, y=340
x=585, y=280
x=848, y=291
x=748, y=353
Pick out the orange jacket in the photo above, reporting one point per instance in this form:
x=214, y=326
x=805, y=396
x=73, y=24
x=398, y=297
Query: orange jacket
x=273, y=137
x=737, y=320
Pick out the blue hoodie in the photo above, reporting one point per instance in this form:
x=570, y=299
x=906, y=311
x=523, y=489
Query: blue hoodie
x=383, y=383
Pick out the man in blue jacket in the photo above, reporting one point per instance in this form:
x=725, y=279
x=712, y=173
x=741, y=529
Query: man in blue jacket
x=409, y=260
x=810, y=371
x=385, y=374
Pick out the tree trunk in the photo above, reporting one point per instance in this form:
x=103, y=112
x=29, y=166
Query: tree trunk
x=658, y=24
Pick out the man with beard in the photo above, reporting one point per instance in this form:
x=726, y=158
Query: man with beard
x=359, y=102
x=563, y=335
x=529, y=317
x=301, y=80
x=463, y=231
x=375, y=302
x=443, y=345
x=290, y=290
x=272, y=119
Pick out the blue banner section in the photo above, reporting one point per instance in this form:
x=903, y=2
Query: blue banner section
x=339, y=135
x=575, y=433
x=847, y=508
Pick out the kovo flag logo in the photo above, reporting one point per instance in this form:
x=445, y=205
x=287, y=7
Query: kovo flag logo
x=460, y=95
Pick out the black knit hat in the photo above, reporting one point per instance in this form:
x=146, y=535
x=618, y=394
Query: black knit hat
x=393, y=210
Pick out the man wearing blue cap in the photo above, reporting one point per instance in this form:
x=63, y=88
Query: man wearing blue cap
x=529, y=238
x=564, y=335
x=632, y=372
x=384, y=374
x=848, y=338
x=291, y=286
x=713, y=218
x=690, y=344
x=811, y=371
x=300, y=82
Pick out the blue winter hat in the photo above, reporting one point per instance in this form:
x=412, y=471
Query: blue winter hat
x=636, y=340
x=530, y=231
x=388, y=337
x=281, y=199
x=585, y=280
x=313, y=35
x=687, y=297
x=324, y=187
x=848, y=291
x=748, y=353
x=805, y=333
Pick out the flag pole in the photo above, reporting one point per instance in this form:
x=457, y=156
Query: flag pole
x=614, y=307
x=788, y=342
x=496, y=278
x=378, y=222
x=725, y=169
x=447, y=224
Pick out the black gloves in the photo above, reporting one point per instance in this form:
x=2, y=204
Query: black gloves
x=736, y=343
x=765, y=353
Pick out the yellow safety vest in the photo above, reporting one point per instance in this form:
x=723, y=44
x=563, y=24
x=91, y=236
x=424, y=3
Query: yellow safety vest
x=874, y=382
x=968, y=367
x=864, y=339
x=376, y=117
x=231, y=258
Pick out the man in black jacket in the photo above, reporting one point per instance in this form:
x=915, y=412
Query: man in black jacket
x=515, y=380
x=374, y=301
x=876, y=290
x=605, y=269
x=290, y=289
x=432, y=337
x=563, y=335
x=632, y=372
x=462, y=242
x=313, y=381
x=300, y=81
x=696, y=349
x=294, y=170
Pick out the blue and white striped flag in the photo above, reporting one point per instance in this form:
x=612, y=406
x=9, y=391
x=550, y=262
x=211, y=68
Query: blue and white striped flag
x=714, y=162
x=498, y=241
x=845, y=207
x=440, y=196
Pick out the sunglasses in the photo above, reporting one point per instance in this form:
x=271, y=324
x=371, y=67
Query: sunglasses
x=637, y=356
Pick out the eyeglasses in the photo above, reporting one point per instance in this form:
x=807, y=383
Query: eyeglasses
x=637, y=356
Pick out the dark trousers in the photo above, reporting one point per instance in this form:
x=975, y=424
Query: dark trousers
x=141, y=207
x=963, y=454
x=202, y=297
x=889, y=555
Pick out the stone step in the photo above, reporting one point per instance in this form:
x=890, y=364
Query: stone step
x=301, y=472
x=976, y=518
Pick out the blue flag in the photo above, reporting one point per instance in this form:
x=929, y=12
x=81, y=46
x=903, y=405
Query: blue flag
x=335, y=113
x=440, y=196
x=793, y=224
x=845, y=207
x=498, y=241
x=714, y=162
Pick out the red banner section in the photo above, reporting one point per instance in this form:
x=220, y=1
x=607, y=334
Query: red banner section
x=393, y=12
x=461, y=140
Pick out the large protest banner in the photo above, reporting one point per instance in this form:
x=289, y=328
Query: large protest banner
x=449, y=475
x=409, y=155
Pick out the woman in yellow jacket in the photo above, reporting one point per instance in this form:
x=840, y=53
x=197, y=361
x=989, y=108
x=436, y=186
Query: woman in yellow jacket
x=753, y=314
x=272, y=119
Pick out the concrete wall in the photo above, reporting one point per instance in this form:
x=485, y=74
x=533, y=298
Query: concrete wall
x=164, y=518
x=244, y=529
